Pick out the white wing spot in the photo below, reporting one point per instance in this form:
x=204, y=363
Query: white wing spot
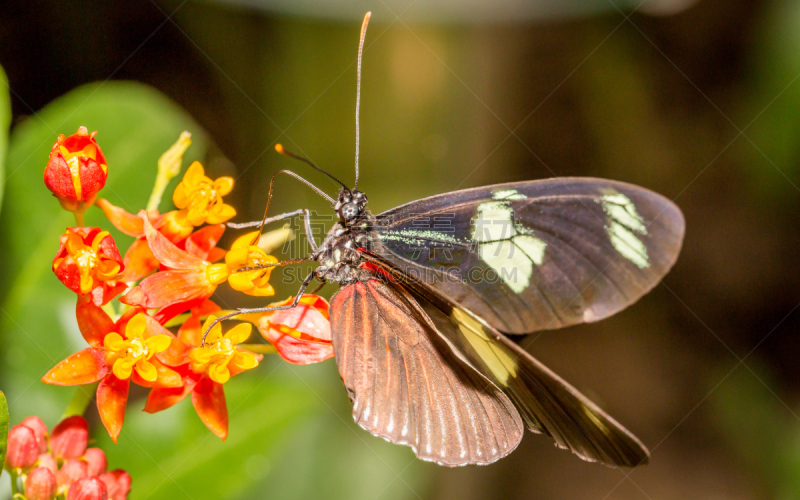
x=508, y=194
x=503, y=246
x=624, y=225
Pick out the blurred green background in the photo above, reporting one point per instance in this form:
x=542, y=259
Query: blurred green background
x=699, y=101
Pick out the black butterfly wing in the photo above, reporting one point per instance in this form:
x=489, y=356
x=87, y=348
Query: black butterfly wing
x=536, y=255
x=546, y=402
x=409, y=387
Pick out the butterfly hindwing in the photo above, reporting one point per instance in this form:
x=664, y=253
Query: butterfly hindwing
x=536, y=255
x=409, y=387
x=546, y=402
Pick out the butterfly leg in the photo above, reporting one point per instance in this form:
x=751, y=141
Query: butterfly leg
x=237, y=312
x=288, y=215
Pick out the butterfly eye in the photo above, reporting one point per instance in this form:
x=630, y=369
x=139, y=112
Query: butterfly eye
x=349, y=210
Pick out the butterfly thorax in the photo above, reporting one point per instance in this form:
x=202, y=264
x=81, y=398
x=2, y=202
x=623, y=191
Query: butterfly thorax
x=339, y=255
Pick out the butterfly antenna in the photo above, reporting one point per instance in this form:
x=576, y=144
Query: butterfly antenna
x=358, y=84
x=280, y=149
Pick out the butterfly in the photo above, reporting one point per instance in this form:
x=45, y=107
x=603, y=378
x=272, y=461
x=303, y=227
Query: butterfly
x=434, y=293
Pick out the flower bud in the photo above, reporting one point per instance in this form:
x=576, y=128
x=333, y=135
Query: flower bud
x=35, y=424
x=72, y=470
x=118, y=483
x=90, y=488
x=76, y=170
x=70, y=437
x=41, y=484
x=22, y=448
x=47, y=461
x=96, y=459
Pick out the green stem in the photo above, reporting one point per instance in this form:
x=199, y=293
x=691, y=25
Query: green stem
x=14, y=488
x=80, y=400
x=259, y=348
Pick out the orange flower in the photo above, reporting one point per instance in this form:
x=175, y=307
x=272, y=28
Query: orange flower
x=205, y=369
x=302, y=334
x=88, y=262
x=118, y=353
x=76, y=170
x=244, y=254
x=188, y=281
x=200, y=198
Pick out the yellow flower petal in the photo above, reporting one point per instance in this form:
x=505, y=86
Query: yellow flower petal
x=223, y=185
x=220, y=213
x=158, y=343
x=219, y=373
x=136, y=326
x=114, y=342
x=239, y=333
x=122, y=368
x=244, y=360
x=147, y=370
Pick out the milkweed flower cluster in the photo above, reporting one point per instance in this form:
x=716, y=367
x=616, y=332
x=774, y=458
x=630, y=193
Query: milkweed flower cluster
x=60, y=465
x=143, y=314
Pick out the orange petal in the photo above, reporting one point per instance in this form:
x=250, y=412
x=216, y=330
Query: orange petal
x=220, y=213
x=201, y=242
x=126, y=222
x=208, y=399
x=139, y=261
x=304, y=319
x=112, y=398
x=93, y=322
x=299, y=351
x=165, y=251
x=83, y=367
x=162, y=398
x=168, y=287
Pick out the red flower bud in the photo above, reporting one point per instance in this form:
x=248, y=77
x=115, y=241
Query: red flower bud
x=90, y=488
x=72, y=470
x=118, y=483
x=96, y=459
x=41, y=484
x=22, y=448
x=37, y=426
x=70, y=437
x=47, y=461
x=76, y=170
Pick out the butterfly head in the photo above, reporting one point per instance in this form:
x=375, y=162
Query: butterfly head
x=350, y=205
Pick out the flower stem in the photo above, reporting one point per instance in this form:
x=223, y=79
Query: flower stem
x=78, y=217
x=80, y=400
x=259, y=348
x=14, y=486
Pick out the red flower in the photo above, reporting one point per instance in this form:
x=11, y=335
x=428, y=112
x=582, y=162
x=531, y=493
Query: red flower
x=119, y=352
x=90, y=488
x=188, y=282
x=118, y=484
x=41, y=484
x=302, y=334
x=22, y=448
x=76, y=170
x=70, y=438
x=204, y=370
x=88, y=262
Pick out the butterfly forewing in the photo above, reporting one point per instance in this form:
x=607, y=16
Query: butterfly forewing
x=536, y=255
x=410, y=387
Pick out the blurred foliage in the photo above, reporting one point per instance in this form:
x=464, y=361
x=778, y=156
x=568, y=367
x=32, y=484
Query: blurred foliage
x=5, y=122
x=3, y=427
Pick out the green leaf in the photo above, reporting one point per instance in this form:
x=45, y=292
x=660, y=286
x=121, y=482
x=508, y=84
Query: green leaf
x=3, y=427
x=5, y=122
